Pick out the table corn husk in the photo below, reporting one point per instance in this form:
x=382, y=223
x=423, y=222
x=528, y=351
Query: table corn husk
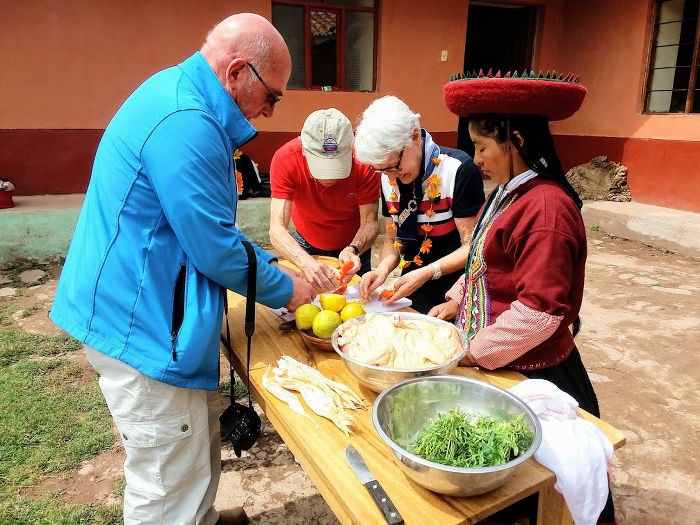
x=325, y=397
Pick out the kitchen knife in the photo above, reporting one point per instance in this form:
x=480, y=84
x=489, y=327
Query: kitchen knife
x=358, y=464
x=288, y=325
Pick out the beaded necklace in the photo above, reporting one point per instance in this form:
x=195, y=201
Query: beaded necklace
x=431, y=189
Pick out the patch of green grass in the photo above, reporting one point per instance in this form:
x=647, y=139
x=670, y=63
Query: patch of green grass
x=49, y=510
x=595, y=228
x=16, y=346
x=119, y=487
x=224, y=386
x=31, y=310
x=6, y=313
x=52, y=418
x=240, y=388
x=49, y=421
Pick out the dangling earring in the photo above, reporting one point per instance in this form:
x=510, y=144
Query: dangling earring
x=541, y=164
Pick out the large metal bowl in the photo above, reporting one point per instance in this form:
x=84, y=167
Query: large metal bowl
x=377, y=378
x=403, y=409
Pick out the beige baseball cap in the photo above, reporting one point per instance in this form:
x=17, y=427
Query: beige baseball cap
x=326, y=139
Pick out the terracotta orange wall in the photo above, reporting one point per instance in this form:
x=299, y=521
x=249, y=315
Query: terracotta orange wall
x=69, y=64
x=606, y=43
x=409, y=67
x=660, y=151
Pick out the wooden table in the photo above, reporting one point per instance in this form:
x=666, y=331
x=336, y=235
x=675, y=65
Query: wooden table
x=320, y=447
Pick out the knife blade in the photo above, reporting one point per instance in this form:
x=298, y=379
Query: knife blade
x=387, y=507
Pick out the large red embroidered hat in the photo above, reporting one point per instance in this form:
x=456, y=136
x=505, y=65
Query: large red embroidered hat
x=550, y=95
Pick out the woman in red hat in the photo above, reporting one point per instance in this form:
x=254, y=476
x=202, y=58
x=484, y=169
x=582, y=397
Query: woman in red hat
x=524, y=276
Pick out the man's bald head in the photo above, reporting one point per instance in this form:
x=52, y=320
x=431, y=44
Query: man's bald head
x=248, y=36
x=240, y=45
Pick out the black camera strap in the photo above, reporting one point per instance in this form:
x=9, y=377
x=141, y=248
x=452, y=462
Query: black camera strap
x=241, y=424
x=249, y=326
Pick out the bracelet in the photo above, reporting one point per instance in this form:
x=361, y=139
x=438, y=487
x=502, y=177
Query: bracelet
x=437, y=273
x=354, y=248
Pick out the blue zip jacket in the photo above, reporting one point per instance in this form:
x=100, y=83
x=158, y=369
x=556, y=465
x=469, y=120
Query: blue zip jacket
x=156, y=243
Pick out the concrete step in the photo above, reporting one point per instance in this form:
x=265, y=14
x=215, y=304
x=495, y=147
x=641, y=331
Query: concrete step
x=664, y=228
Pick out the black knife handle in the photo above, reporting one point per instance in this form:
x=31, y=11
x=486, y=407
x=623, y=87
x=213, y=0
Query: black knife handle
x=387, y=507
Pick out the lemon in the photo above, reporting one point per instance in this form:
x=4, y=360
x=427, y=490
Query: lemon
x=304, y=315
x=351, y=310
x=332, y=301
x=324, y=323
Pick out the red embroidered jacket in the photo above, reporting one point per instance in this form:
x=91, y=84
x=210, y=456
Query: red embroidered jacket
x=534, y=258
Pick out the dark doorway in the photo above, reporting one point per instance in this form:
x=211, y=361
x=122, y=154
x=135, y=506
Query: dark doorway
x=501, y=38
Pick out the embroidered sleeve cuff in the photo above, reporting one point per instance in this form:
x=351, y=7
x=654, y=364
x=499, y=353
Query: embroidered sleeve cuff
x=456, y=293
x=516, y=331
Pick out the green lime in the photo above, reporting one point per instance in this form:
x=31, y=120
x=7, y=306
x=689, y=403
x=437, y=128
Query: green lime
x=351, y=310
x=304, y=315
x=324, y=323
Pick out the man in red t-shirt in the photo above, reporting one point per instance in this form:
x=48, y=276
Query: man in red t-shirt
x=331, y=199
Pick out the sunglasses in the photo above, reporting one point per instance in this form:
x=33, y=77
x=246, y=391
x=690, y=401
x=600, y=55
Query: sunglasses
x=271, y=97
x=392, y=168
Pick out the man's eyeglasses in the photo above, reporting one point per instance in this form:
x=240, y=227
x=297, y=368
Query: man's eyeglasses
x=392, y=168
x=271, y=97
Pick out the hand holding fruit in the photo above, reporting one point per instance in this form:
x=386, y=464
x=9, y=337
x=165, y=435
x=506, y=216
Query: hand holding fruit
x=370, y=282
x=321, y=276
x=350, y=262
x=407, y=284
x=344, y=276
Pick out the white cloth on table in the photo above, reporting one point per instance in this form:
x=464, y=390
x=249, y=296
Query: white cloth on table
x=572, y=447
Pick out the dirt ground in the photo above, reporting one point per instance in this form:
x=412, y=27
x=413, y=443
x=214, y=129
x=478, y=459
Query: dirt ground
x=639, y=341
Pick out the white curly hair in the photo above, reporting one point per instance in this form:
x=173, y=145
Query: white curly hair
x=386, y=126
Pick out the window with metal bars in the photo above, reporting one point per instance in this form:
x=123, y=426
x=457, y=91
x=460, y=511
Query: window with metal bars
x=332, y=43
x=673, y=81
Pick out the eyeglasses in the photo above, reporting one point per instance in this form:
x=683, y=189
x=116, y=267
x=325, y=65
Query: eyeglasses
x=392, y=168
x=271, y=97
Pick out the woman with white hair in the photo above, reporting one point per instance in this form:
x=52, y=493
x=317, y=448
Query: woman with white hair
x=430, y=197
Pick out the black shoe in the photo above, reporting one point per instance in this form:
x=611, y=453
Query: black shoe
x=234, y=516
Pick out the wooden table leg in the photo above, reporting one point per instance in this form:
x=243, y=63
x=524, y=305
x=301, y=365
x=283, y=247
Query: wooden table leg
x=551, y=508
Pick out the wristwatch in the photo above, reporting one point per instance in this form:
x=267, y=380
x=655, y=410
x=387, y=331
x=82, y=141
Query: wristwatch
x=354, y=249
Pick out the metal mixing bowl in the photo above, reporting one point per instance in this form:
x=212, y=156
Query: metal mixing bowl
x=402, y=410
x=377, y=378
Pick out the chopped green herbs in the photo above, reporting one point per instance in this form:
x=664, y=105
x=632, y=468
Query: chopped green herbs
x=463, y=439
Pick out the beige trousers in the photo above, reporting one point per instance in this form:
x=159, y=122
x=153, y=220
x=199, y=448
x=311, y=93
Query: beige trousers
x=172, y=444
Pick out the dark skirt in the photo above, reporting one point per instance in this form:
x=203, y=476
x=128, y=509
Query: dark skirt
x=571, y=377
